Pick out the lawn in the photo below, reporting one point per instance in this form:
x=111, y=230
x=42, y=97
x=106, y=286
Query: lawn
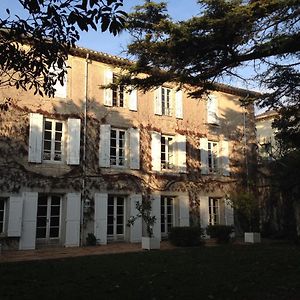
x=223, y=272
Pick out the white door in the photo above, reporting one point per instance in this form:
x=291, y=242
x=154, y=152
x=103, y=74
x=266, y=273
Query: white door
x=115, y=218
x=48, y=219
x=167, y=214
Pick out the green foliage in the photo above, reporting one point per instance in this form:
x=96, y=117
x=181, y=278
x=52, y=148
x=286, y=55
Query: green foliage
x=186, y=236
x=246, y=207
x=144, y=211
x=217, y=43
x=220, y=232
x=51, y=28
x=91, y=240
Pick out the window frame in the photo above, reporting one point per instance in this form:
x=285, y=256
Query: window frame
x=166, y=101
x=118, y=94
x=213, y=211
x=3, y=221
x=167, y=163
x=213, y=157
x=117, y=147
x=53, y=141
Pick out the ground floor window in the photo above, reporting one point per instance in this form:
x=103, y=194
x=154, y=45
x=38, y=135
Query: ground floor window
x=48, y=222
x=214, y=211
x=115, y=217
x=2, y=213
x=167, y=214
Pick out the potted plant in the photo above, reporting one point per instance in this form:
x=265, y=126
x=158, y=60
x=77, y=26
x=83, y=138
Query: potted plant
x=246, y=208
x=144, y=211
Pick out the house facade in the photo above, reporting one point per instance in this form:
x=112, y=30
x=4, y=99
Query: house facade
x=79, y=162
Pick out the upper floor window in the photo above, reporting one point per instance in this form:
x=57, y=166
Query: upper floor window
x=53, y=140
x=214, y=157
x=214, y=211
x=117, y=147
x=47, y=138
x=167, y=152
x=168, y=102
x=118, y=94
x=2, y=214
x=213, y=153
x=212, y=110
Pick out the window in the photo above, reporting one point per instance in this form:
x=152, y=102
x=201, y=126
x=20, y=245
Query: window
x=2, y=214
x=53, y=140
x=167, y=152
x=117, y=147
x=48, y=217
x=117, y=94
x=214, y=211
x=167, y=214
x=115, y=217
x=212, y=110
x=166, y=101
x=212, y=152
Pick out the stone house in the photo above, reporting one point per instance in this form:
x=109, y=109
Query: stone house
x=78, y=163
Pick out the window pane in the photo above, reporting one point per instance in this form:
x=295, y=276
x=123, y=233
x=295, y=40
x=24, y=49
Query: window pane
x=47, y=135
x=120, y=229
x=58, y=126
x=54, y=232
x=41, y=222
x=54, y=221
x=48, y=125
x=42, y=200
x=47, y=145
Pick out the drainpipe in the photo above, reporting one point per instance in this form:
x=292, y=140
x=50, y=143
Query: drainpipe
x=84, y=148
x=245, y=146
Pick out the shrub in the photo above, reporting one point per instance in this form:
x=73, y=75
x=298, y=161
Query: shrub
x=186, y=236
x=220, y=232
x=91, y=240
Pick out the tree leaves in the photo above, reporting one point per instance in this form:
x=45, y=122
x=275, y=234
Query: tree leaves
x=51, y=28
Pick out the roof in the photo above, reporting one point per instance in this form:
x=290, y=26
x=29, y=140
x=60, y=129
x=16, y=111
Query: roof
x=123, y=62
x=271, y=114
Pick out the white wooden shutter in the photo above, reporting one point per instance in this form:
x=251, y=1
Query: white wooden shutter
x=73, y=141
x=229, y=214
x=157, y=101
x=104, y=146
x=204, y=211
x=35, y=138
x=204, y=155
x=156, y=212
x=181, y=153
x=28, y=232
x=156, y=151
x=73, y=220
x=212, y=110
x=61, y=89
x=184, y=210
x=179, y=104
x=134, y=150
x=224, y=157
x=133, y=100
x=108, y=94
x=15, y=216
x=100, y=220
x=136, y=228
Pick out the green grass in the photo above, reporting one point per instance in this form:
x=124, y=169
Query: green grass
x=223, y=272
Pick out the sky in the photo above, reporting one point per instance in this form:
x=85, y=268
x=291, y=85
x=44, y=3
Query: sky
x=105, y=42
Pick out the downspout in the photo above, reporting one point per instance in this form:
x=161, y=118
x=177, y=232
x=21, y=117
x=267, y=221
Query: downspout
x=84, y=148
x=245, y=146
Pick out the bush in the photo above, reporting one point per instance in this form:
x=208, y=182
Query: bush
x=186, y=236
x=220, y=232
x=91, y=240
